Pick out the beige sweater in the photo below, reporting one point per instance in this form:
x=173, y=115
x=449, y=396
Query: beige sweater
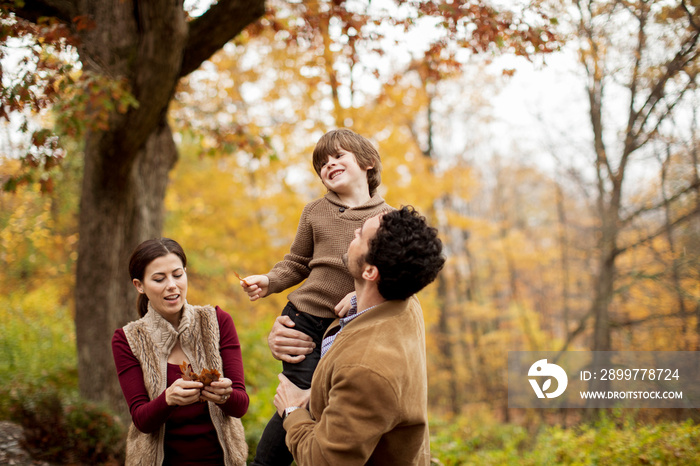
x=369, y=394
x=325, y=231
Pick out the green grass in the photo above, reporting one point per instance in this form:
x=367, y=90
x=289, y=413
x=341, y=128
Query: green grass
x=614, y=440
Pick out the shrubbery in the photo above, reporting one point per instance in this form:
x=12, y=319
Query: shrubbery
x=63, y=430
x=616, y=440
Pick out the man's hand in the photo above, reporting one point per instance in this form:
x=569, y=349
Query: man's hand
x=289, y=394
x=342, y=308
x=287, y=344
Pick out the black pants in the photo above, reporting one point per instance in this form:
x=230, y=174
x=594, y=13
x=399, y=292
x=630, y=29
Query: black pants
x=272, y=450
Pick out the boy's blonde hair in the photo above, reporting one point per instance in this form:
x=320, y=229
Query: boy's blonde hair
x=365, y=154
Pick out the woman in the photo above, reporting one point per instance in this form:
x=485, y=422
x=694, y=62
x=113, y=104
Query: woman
x=170, y=424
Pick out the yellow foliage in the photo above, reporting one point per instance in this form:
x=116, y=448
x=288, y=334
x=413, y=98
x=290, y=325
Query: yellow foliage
x=230, y=218
x=521, y=247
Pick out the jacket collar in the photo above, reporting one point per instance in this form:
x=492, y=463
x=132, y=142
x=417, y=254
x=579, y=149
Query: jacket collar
x=387, y=310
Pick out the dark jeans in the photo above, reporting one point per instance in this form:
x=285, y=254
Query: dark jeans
x=272, y=450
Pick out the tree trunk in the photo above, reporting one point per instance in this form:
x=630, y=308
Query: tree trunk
x=564, y=258
x=116, y=213
x=445, y=344
x=125, y=175
x=696, y=179
x=150, y=45
x=603, y=292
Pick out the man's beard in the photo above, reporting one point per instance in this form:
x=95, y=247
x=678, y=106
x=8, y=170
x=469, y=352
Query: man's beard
x=359, y=263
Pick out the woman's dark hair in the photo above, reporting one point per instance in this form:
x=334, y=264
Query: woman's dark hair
x=406, y=251
x=144, y=254
x=346, y=139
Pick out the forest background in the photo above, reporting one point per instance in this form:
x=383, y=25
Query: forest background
x=571, y=226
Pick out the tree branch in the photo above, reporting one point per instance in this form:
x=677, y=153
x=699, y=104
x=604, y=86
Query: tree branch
x=683, y=57
x=632, y=322
x=663, y=114
x=690, y=15
x=630, y=137
x=211, y=31
x=576, y=332
x=64, y=10
x=642, y=210
x=660, y=231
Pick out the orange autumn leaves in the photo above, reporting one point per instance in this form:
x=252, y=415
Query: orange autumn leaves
x=207, y=376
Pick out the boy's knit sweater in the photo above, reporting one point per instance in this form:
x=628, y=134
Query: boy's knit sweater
x=325, y=230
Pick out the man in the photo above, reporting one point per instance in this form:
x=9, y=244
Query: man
x=368, y=397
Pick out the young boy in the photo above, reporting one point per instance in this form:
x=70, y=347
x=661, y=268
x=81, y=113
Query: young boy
x=350, y=168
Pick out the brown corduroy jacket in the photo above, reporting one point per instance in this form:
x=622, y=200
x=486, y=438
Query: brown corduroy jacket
x=369, y=394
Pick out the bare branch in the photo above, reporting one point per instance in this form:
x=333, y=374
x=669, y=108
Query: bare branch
x=660, y=231
x=633, y=114
x=687, y=54
x=633, y=322
x=595, y=92
x=666, y=112
x=642, y=210
x=211, y=31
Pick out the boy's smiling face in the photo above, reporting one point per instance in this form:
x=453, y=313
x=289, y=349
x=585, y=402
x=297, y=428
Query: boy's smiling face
x=343, y=175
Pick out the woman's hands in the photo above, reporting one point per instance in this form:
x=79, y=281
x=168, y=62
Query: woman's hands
x=183, y=392
x=218, y=392
x=186, y=392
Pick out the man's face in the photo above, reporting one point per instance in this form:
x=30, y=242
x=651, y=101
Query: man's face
x=354, y=259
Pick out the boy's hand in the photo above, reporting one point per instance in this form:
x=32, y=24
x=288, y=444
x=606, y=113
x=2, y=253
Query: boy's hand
x=257, y=286
x=342, y=308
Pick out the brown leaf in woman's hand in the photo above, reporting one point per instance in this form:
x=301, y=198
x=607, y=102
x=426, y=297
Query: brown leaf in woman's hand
x=207, y=376
x=187, y=372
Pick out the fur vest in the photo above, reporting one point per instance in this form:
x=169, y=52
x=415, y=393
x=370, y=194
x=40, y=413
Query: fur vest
x=151, y=339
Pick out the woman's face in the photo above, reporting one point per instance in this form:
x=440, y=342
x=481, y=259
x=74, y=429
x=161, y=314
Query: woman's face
x=165, y=284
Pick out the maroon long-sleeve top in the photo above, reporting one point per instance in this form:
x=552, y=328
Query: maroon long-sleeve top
x=189, y=432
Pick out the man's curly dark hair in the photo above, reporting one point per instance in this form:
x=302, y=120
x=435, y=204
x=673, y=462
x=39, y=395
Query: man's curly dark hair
x=406, y=251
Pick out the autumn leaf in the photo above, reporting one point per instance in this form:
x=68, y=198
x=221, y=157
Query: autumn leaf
x=186, y=371
x=241, y=279
x=207, y=376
